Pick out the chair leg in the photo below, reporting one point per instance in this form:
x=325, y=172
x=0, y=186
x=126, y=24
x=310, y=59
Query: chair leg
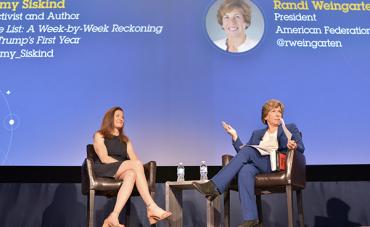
x=90, y=208
x=127, y=209
x=152, y=194
x=289, y=195
x=300, y=208
x=227, y=208
x=259, y=208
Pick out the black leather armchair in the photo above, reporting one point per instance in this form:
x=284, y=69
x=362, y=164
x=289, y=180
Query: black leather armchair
x=92, y=185
x=292, y=179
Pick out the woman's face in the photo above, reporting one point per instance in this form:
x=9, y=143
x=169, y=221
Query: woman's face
x=233, y=23
x=273, y=117
x=118, y=119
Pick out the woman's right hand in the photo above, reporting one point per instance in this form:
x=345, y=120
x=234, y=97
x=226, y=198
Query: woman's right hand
x=230, y=130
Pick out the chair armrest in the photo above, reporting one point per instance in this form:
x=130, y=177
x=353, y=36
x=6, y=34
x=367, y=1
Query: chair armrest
x=84, y=179
x=150, y=169
x=87, y=176
x=296, y=168
x=226, y=158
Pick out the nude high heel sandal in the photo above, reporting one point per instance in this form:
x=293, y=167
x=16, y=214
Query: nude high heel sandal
x=108, y=223
x=154, y=218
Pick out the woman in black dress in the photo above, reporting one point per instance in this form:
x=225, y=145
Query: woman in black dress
x=118, y=160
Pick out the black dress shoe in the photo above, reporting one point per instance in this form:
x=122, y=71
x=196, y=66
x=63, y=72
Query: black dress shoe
x=208, y=189
x=250, y=223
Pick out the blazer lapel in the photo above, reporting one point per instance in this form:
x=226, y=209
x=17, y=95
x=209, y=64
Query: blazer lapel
x=282, y=139
x=260, y=135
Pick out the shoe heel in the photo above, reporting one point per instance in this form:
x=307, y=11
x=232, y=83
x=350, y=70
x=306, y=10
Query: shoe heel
x=152, y=220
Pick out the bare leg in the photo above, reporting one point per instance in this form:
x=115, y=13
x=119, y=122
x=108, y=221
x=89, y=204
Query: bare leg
x=141, y=183
x=125, y=190
x=123, y=194
x=142, y=186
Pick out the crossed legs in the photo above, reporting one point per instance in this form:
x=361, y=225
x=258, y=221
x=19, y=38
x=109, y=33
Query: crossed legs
x=246, y=156
x=132, y=173
x=246, y=164
x=140, y=180
x=128, y=177
x=247, y=196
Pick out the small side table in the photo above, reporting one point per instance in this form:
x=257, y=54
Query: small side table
x=174, y=204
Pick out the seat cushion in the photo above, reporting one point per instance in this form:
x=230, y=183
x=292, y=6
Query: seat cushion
x=271, y=179
x=105, y=184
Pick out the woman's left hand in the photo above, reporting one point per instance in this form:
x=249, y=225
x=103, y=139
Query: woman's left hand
x=292, y=145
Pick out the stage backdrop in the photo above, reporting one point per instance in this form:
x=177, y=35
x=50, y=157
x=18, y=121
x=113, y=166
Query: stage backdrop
x=65, y=62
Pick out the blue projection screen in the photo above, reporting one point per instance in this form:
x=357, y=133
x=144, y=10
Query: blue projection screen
x=65, y=62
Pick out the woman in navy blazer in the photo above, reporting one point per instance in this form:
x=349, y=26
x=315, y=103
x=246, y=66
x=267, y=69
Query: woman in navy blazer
x=252, y=159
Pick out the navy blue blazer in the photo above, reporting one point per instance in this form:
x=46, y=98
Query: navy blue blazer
x=258, y=134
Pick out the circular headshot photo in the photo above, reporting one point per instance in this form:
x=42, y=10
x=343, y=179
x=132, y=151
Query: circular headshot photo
x=235, y=26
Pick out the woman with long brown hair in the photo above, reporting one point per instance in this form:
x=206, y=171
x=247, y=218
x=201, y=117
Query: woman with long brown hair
x=118, y=159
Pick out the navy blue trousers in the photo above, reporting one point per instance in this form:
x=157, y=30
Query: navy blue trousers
x=247, y=163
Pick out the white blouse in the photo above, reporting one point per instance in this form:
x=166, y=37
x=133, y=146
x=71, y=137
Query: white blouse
x=246, y=45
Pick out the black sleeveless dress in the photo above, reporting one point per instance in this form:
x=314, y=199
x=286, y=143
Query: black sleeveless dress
x=117, y=150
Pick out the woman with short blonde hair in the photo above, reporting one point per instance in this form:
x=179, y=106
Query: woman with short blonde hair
x=253, y=158
x=235, y=17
